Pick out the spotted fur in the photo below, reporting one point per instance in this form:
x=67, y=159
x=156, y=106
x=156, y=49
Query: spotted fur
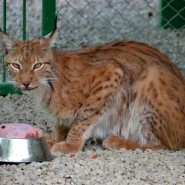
x=125, y=93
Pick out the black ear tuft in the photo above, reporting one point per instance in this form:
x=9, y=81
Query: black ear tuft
x=56, y=20
x=1, y=30
x=49, y=40
x=50, y=35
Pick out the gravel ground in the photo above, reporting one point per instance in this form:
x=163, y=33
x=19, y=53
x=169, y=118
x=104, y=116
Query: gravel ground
x=94, y=165
x=86, y=23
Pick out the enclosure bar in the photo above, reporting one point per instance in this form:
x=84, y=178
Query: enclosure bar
x=48, y=16
x=4, y=16
x=24, y=20
x=4, y=30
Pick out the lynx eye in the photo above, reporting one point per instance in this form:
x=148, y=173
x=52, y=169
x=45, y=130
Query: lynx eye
x=37, y=66
x=15, y=66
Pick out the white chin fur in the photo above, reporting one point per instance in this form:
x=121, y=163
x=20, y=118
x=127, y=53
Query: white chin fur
x=43, y=83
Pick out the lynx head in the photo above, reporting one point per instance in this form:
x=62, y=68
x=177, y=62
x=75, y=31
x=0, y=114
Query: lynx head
x=30, y=62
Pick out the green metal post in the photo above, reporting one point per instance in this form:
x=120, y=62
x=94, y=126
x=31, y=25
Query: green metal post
x=6, y=88
x=24, y=20
x=48, y=16
x=4, y=29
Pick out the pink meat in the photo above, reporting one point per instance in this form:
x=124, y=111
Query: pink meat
x=15, y=130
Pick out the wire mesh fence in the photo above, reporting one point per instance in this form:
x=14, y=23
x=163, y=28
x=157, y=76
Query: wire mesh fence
x=89, y=22
x=99, y=21
x=103, y=21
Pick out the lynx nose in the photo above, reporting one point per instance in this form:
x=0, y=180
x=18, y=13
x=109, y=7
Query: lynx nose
x=26, y=85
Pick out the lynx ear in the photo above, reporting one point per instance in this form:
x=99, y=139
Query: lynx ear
x=50, y=39
x=6, y=42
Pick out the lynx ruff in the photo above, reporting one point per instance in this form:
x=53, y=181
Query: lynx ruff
x=125, y=94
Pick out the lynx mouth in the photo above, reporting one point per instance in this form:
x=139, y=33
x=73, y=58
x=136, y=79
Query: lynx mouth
x=28, y=88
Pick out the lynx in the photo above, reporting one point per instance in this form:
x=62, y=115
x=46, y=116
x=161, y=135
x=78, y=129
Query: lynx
x=125, y=93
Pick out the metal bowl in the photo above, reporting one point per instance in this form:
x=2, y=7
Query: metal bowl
x=22, y=143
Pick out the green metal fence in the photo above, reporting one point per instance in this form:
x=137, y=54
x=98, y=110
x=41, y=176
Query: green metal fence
x=48, y=16
x=172, y=14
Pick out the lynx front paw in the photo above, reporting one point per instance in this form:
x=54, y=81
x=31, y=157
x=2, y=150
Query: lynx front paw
x=50, y=140
x=66, y=147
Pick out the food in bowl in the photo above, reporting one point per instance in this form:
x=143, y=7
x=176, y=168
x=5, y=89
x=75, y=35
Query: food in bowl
x=18, y=131
x=21, y=142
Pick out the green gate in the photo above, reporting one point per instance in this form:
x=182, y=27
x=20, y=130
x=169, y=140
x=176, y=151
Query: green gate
x=48, y=17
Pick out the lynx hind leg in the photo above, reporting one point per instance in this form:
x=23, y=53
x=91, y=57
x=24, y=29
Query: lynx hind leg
x=118, y=142
x=160, y=98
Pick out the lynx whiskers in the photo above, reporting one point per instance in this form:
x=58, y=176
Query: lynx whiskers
x=46, y=82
